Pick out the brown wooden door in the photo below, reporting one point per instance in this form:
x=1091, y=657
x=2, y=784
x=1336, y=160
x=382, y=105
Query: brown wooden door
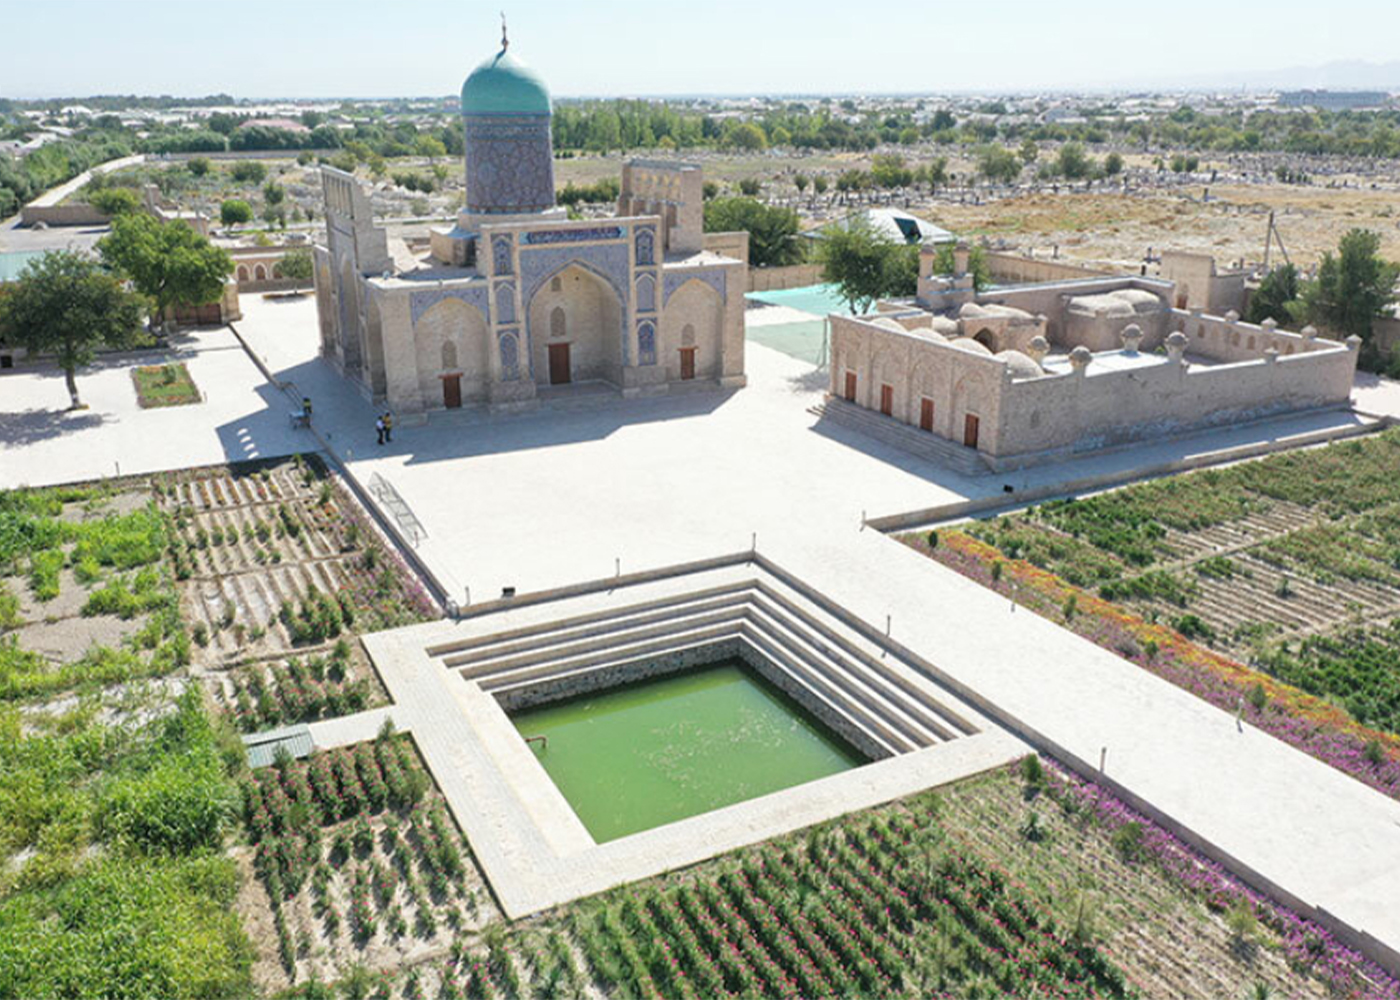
x=970, y=423
x=926, y=415
x=887, y=400
x=452, y=391
x=559, y=364
x=850, y=387
x=687, y=363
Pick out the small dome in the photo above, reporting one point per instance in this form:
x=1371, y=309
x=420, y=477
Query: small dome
x=970, y=346
x=503, y=85
x=887, y=323
x=1020, y=365
x=947, y=327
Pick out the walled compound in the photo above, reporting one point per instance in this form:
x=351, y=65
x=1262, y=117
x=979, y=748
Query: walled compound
x=1025, y=373
x=516, y=296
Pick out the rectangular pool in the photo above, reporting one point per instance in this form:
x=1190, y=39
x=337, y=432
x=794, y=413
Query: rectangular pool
x=631, y=758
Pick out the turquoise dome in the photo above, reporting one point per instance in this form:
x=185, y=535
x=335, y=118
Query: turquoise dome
x=503, y=85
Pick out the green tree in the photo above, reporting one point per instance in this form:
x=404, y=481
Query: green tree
x=997, y=163
x=1113, y=164
x=888, y=171
x=750, y=186
x=819, y=185
x=1276, y=296
x=295, y=264
x=115, y=201
x=772, y=230
x=1028, y=151
x=199, y=166
x=748, y=136
x=977, y=266
x=1352, y=287
x=430, y=146
x=274, y=193
x=234, y=211
x=248, y=172
x=860, y=262
x=67, y=305
x=936, y=173
x=1073, y=163
x=168, y=262
x=800, y=181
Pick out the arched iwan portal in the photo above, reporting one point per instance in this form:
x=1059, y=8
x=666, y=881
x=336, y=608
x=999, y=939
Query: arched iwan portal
x=698, y=307
x=576, y=329
x=451, y=331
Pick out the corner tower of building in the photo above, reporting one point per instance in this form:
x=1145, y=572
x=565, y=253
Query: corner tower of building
x=509, y=154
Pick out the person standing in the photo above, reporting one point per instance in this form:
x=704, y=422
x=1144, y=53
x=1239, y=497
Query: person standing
x=379, y=430
x=388, y=427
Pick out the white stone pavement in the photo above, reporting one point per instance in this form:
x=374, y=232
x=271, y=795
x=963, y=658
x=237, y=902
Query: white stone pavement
x=42, y=442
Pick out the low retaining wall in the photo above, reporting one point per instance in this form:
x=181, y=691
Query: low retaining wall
x=767, y=279
x=960, y=509
x=76, y=214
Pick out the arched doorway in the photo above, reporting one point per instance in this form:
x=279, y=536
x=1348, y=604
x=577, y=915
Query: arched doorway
x=453, y=354
x=575, y=323
x=986, y=338
x=692, y=324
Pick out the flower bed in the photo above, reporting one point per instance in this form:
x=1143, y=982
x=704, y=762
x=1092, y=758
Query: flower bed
x=1299, y=719
x=164, y=385
x=1308, y=946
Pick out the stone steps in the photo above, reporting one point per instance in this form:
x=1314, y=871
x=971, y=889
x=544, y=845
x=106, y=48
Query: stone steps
x=887, y=430
x=834, y=672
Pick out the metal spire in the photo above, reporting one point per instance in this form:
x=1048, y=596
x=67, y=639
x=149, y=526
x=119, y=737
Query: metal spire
x=505, y=42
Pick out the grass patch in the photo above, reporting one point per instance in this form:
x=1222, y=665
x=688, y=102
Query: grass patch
x=125, y=892
x=164, y=385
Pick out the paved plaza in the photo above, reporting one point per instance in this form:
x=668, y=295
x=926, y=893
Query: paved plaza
x=582, y=488
x=42, y=442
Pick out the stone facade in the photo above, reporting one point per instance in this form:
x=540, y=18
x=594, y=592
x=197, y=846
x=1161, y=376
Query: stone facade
x=1107, y=362
x=516, y=297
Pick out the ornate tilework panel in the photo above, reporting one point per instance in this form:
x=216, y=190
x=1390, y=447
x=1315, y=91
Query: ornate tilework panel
x=646, y=343
x=505, y=303
x=674, y=279
x=500, y=255
x=421, y=302
x=608, y=261
x=540, y=237
x=646, y=246
x=510, y=164
x=646, y=293
x=510, y=356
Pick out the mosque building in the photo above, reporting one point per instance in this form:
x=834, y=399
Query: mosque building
x=516, y=301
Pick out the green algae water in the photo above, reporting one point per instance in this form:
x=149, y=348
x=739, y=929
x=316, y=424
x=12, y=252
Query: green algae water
x=635, y=757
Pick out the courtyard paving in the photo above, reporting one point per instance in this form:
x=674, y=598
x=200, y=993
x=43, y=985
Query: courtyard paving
x=42, y=442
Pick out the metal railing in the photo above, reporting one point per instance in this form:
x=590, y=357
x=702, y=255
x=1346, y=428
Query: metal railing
x=409, y=525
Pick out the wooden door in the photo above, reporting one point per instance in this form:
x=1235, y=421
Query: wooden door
x=887, y=400
x=687, y=362
x=559, y=364
x=850, y=387
x=926, y=415
x=970, y=430
x=452, y=391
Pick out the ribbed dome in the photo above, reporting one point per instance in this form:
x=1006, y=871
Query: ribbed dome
x=503, y=85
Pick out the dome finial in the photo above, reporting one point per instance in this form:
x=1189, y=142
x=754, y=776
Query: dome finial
x=505, y=42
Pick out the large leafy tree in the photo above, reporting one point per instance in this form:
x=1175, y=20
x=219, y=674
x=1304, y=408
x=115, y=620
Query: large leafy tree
x=977, y=266
x=772, y=230
x=168, y=262
x=67, y=305
x=1276, y=296
x=1352, y=287
x=864, y=265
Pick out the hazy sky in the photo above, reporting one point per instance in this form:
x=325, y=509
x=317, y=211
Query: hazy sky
x=254, y=48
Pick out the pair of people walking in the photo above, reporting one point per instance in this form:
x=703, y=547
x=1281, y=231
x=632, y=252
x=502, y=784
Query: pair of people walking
x=384, y=428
